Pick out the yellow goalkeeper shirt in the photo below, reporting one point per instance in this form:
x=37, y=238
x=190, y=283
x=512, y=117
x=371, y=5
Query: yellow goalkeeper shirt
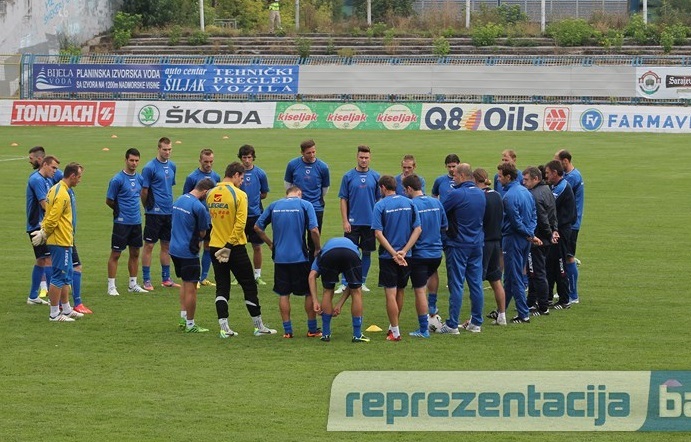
x=228, y=209
x=58, y=221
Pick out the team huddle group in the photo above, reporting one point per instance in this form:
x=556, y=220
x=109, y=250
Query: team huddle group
x=524, y=232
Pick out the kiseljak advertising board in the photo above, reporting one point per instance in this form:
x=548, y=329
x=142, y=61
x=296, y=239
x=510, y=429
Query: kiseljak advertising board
x=386, y=116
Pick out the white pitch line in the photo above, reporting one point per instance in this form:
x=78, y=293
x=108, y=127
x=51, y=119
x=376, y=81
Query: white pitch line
x=14, y=159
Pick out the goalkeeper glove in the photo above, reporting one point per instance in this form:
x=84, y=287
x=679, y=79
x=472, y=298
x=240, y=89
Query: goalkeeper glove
x=38, y=237
x=223, y=255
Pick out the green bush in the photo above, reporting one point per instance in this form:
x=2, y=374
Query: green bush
x=641, y=32
x=304, y=47
x=678, y=33
x=666, y=41
x=511, y=14
x=198, y=38
x=123, y=25
x=175, y=34
x=570, y=32
x=442, y=48
x=486, y=35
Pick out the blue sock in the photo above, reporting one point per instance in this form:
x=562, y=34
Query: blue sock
x=357, y=326
x=366, y=262
x=77, y=288
x=432, y=303
x=572, y=273
x=48, y=273
x=146, y=273
x=326, y=324
x=206, y=264
x=36, y=276
x=165, y=273
x=312, y=325
x=287, y=327
x=424, y=323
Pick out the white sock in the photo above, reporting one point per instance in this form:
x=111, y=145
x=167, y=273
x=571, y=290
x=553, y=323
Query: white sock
x=54, y=311
x=111, y=283
x=190, y=323
x=501, y=315
x=395, y=331
x=66, y=308
x=133, y=281
x=223, y=322
x=257, y=320
x=257, y=273
x=43, y=285
x=183, y=314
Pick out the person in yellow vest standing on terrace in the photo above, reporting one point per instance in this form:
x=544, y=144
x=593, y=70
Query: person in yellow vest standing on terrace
x=274, y=16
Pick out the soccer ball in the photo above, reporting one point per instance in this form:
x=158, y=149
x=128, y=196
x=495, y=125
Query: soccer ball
x=434, y=323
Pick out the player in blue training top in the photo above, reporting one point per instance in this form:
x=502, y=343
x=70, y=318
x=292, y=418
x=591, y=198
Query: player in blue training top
x=291, y=217
x=507, y=156
x=358, y=194
x=427, y=251
x=311, y=175
x=518, y=234
x=256, y=185
x=158, y=179
x=37, y=188
x=465, y=208
x=339, y=256
x=396, y=225
x=444, y=183
x=190, y=222
x=206, y=163
x=407, y=169
x=123, y=196
x=573, y=176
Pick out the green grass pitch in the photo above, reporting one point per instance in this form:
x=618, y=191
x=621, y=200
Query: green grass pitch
x=128, y=373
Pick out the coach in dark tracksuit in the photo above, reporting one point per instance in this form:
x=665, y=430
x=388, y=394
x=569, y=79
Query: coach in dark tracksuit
x=546, y=230
x=566, y=216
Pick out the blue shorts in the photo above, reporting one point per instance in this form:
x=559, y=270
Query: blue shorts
x=61, y=258
x=363, y=237
x=252, y=236
x=187, y=269
x=157, y=227
x=337, y=261
x=126, y=235
x=421, y=269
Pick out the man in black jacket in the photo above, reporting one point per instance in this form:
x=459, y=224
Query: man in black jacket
x=546, y=231
x=566, y=216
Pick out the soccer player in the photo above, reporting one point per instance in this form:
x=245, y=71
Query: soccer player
x=396, y=225
x=507, y=156
x=465, y=209
x=37, y=189
x=546, y=230
x=358, y=193
x=124, y=193
x=407, y=169
x=338, y=256
x=290, y=217
x=228, y=209
x=518, y=233
x=190, y=221
x=256, y=186
x=206, y=163
x=573, y=176
x=158, y=179
x=566, y=216
x=491, y=251
x=427, y=251
x=311, y=175
x=36, y=156
x=444, y=184
x=57, y=230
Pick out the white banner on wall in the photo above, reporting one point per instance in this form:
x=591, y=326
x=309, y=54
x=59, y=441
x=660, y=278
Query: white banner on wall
x=663, y=82
x=631, y=119
x=221, y=115
x=504, y=117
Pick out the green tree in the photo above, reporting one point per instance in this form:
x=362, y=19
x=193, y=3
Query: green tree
x=383, y=9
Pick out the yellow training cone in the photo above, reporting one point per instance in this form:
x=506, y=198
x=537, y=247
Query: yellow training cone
x=113, y=136
x=105, y=149
x=178, y=142
x=14, y=144
x=373, y=328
